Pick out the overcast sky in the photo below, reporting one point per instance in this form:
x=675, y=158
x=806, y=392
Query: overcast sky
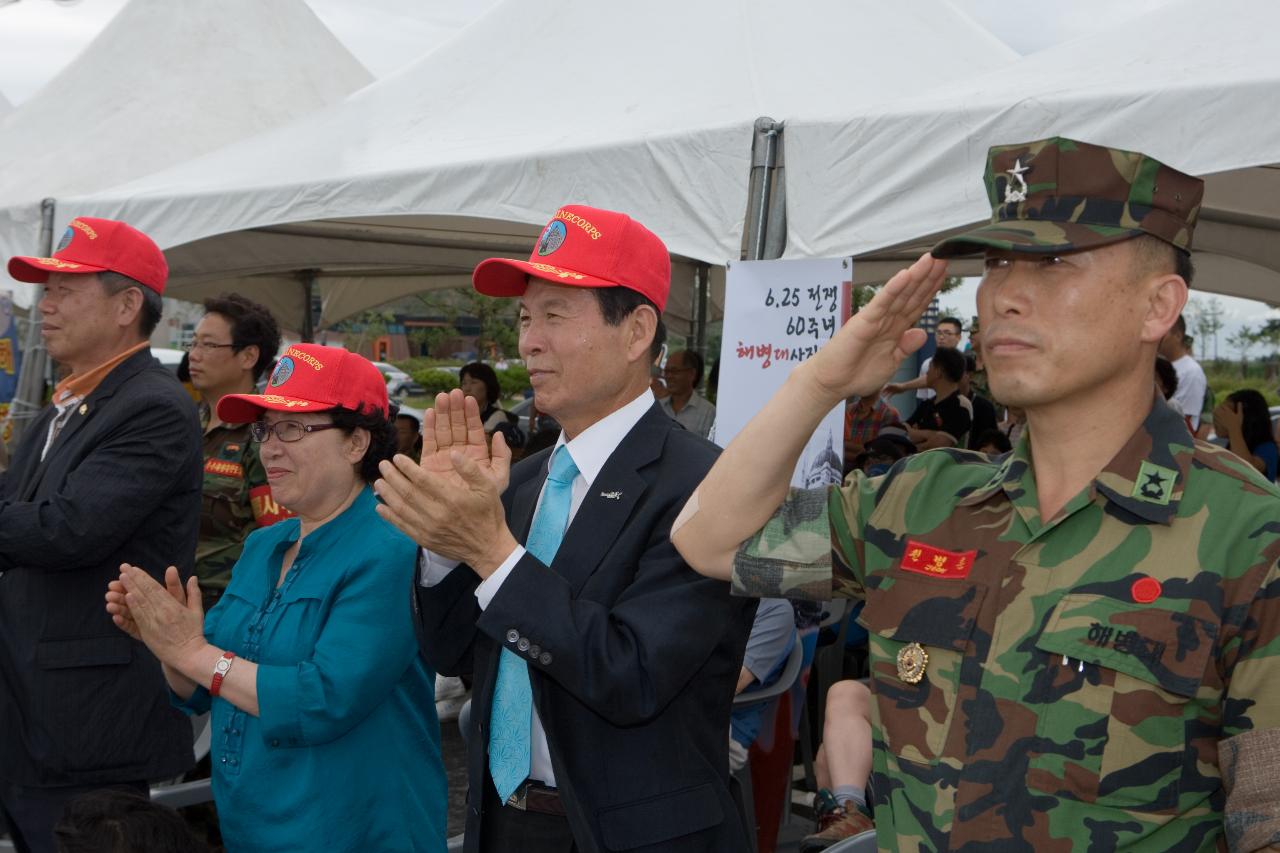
x=39, y=37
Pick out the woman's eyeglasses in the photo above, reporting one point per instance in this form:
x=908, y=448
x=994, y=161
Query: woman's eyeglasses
x=287, y=431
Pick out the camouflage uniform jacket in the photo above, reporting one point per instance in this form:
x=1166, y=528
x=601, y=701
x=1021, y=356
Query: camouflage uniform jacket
x=1100, y=680
x=236, y=500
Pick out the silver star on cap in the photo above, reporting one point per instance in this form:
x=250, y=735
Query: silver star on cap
x=1010, y=194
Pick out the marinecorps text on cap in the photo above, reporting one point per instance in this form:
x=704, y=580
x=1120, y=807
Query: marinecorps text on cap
x=91, y=245
x=312, y=378
x=585, y=247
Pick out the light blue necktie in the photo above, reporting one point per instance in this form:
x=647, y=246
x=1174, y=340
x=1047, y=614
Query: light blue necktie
x=511, y=716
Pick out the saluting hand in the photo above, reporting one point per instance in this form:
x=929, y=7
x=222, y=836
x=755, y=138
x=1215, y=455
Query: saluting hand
x=867, y=350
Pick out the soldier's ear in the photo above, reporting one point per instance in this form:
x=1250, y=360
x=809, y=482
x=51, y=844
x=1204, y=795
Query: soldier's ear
x=1166, y=297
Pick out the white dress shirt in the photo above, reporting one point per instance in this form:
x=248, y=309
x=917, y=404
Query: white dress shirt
x=1191, y=388
x=590, y=450
x=926, y=393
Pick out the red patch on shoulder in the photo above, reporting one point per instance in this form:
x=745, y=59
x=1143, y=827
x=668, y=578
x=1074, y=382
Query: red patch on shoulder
x=936, y=562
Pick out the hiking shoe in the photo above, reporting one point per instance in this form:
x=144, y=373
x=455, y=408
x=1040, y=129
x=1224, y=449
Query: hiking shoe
x=836, y=826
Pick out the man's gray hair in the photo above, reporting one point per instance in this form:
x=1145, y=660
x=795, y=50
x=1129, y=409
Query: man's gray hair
x=152, y=303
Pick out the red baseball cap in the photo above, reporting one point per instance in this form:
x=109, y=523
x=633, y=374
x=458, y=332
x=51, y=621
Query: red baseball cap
x=98, y=245
x=590, y=247
x=312, y=378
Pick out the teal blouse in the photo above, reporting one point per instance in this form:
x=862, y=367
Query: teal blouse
x=345, y=752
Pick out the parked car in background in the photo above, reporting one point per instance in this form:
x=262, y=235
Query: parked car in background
x=170, y=358
x=524, y=411
x=399, y=383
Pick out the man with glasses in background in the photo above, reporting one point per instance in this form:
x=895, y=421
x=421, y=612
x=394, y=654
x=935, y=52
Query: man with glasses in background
x=235, y=342
x=947, y=336
x=683, y=373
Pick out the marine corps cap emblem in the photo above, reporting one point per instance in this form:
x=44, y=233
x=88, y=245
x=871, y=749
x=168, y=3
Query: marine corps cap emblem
x=912, y=660
x=1020, y=194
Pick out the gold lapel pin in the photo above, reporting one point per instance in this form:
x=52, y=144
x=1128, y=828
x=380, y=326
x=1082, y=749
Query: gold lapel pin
x=912, y=661
x=84, y=407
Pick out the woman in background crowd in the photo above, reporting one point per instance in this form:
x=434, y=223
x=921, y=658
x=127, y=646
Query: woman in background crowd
x=1245, y=422
x=480, y=381
x=409, y=433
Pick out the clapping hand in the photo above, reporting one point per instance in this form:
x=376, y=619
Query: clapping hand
x=454, y=425
x=450, y=501
x=168, y=618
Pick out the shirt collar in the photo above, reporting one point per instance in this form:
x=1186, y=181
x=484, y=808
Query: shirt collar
x=1148, y=474
x=81, y=385
x=1145, y=477
x=594, y=445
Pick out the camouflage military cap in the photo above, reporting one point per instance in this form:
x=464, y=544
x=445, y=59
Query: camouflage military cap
x=1060, y=195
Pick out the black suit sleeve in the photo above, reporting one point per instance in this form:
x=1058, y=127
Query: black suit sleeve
x=106, y=498
x=626, y=662
x=447, y=614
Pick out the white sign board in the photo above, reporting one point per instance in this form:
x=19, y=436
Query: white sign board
x=777, y=314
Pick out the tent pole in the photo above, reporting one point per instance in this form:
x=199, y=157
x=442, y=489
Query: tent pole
x=29, y=394
x=703, y=294
x=308, y=315
x=760, y=215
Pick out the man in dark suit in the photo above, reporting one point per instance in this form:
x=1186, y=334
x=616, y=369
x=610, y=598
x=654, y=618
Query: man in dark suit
x=603, y=668
x=109, y=473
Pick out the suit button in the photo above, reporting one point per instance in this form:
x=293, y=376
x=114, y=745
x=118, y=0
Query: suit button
x=523, y=645
x=545, y=658
x=224, y=759
x=535, y=650
x=513, y=635
x=275, y=742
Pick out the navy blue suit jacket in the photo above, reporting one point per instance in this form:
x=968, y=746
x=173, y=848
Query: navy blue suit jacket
x=636, y=656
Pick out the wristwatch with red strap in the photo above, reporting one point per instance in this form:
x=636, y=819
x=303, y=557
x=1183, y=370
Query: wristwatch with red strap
x=220, y=670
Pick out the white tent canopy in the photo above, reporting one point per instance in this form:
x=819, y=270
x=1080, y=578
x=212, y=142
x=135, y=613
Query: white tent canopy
x=1193, y=85
x=647, y=108
x=166, y=80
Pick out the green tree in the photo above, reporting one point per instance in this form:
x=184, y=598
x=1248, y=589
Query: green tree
x=1243, y=340
x=1207, y=323
x=1269, y=336
x=431, y=338
x=497, y=317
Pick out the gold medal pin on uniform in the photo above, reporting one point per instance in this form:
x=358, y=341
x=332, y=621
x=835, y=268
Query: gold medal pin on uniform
x=84, y=407
x=912, y=660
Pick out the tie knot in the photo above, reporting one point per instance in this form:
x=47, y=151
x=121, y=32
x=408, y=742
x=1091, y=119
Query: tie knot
x=562, y=468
